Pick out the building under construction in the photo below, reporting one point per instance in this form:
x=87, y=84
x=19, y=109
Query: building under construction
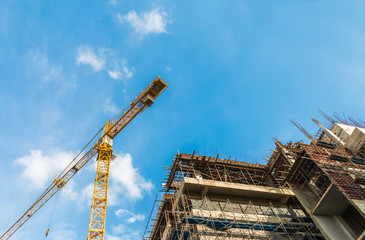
x=305, y=191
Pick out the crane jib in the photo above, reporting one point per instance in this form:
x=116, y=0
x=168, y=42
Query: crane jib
x=141, y=102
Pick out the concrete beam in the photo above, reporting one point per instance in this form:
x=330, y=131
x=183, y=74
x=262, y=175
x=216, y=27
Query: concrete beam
x=213, y=189
x=330, y=226
x=333, y=202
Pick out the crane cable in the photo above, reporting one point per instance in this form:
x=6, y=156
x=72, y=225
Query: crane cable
x=52, y=214
x=54, y=207
x=101, y=129
x=64, y=170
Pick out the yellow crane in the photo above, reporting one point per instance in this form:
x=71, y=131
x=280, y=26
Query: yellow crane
x=102, y=146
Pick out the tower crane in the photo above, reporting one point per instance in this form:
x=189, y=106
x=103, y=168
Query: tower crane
x=103, y=147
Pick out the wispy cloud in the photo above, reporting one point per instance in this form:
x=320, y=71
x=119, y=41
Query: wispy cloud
x=103, y=58
x=82, y=197
x=86, y=56
x=39, y=168
x=63, y=231
x=124, y=232
x=113, y=2
x=86, y=195
x=153, y=22
x=38, y=64
x=111, y=237
x=119, y=69
x=114, y=74
x=110, y=106
x=69, y=191
x=129, y=216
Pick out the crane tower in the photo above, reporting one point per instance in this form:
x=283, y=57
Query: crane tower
x=103, y=147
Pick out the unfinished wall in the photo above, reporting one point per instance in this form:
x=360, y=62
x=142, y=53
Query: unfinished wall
x=305, y=191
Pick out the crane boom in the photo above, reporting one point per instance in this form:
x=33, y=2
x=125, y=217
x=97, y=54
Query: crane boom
x=111, y=129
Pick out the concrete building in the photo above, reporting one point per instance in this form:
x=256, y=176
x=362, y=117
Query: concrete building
x=305, y=191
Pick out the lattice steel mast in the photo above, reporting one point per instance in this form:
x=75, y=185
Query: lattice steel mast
x=103, y=146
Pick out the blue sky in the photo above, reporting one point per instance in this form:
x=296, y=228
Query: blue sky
x=237, y=72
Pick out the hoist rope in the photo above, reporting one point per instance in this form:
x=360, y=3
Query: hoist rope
x=52, y=214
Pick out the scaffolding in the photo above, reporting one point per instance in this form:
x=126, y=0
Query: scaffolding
x=183, y=215
x=206, y=219
x=210, y=168
x=210, y=198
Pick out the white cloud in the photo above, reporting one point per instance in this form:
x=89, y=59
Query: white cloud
x=138, y=217
x=125, y=176
x=110, y=237
x=129, y=216
x=124, y=232
x=117, y=67
x=114, y=74
x=65, y=234
x=82, y=197
x=69, y=191
x=110, y=106
x=121, y=74
x=113, y=2
x=125, y=180
x=86, y=195
x=119, y=229
x=154, y=21
x=62, y=231
x=127, y=72
x=87, y=56
x=39, y=65
x=40, y=169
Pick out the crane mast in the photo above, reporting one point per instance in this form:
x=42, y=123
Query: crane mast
x=103, y=146
x=100, y=195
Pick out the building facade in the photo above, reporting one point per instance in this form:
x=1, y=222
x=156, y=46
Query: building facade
x=305, y=191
